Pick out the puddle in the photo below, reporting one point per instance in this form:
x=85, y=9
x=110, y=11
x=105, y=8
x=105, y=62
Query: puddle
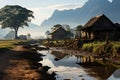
x=65, y=66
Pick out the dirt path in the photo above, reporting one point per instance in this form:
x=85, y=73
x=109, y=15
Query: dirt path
x=14, y=67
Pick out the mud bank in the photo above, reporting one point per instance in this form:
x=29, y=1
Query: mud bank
x=21, y=63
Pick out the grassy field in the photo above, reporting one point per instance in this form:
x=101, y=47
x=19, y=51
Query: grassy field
x=111, y=51
x=112, y=47
x=9, y=43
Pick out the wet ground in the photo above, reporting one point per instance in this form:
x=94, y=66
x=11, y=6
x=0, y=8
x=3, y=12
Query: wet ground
x=65, y=66
x=22, y=64
x=65, y=63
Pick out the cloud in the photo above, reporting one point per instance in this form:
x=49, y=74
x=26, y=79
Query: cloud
x=110, y=0
x=40, y=14
x=65, y=6
x=36, y=13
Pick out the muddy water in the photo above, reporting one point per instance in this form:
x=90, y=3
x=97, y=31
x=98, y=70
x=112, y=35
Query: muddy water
x=65, y=65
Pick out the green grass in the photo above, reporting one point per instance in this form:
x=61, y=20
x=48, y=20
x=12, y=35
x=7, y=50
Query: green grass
x=101, y=47
x=55, y=43
x=97, y=47
x=9, y=43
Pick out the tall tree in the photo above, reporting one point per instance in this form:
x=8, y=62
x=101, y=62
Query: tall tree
x=15, y=16
x=57, y=25
x=47, y=34
x=78, y=34
x=66, y=27
x=28, y=36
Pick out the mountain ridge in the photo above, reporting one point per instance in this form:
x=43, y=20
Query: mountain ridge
x=80, y=16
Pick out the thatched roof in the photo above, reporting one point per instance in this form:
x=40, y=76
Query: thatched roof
x=99, y=23
x=92, y=21
x=57, y=28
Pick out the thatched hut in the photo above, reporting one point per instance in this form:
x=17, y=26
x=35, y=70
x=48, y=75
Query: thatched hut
x=59, y=33
x=100, y=28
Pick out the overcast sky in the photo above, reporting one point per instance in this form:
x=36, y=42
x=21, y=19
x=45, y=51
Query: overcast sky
x=43, y=9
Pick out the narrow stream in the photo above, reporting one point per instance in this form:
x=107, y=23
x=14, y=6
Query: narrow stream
x=65, y=66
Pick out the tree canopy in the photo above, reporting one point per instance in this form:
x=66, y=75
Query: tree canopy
x=57, y=25
x=78, y=27
x=15, y=16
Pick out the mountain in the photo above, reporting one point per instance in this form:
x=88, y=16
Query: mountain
x=33, y=29
x=10, y=35
x=3, y=32
x=80, y=16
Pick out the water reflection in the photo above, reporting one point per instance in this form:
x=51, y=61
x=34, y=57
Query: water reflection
x=65, y=66
x=85, y=59
x=79, y=58
x=58, y=55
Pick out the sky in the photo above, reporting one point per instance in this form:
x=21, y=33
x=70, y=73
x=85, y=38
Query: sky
x=43, y=9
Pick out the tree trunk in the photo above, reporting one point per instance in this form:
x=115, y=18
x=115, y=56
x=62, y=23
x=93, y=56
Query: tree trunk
x=16, y=30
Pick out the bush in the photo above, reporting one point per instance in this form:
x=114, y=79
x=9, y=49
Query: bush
x=116, y=48
x=102, y=47
x=87, y=47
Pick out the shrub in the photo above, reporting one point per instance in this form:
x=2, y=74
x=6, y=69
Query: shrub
x=87, y=47
x=116, y=49
x=102, y=47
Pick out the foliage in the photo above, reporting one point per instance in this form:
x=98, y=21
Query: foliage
x=47, y=34
x=112, y=48
x=14, y=16
x=78, y=27
x=55, y=43
x=56, y=26
x=66, y=27
x=87, y=47
x=116, y=48
x=29, y=35
x=78, y=30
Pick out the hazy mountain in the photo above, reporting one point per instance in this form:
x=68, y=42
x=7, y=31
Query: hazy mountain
x=10, y=35
x=33, y=29
x=3, y=32
x=82, y=15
